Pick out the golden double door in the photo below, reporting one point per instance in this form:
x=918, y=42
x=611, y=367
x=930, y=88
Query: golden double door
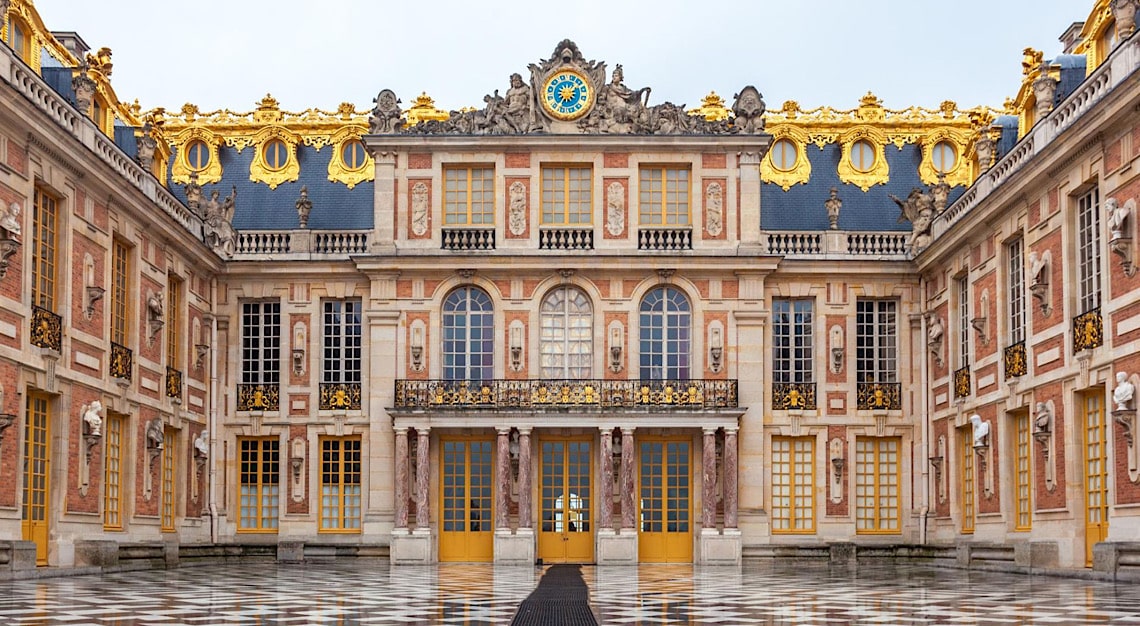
x=1096, y=473
x=467, y=477
x=37, y=456
x=566, y=529
x=665, y=532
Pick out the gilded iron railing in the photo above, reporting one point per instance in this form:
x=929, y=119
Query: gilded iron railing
x=122, y=362
x=258, y=397
x=878, y=396
x=340, y=397
x=793, y=396
x=47, y=329
x=529, y=394
x=173, y=383
x=962, y=382
x=1088, y=330
x=1016, y=360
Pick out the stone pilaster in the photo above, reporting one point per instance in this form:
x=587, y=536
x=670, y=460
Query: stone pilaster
x=729, y=486
x=605, y=489
x=401, y=478
x=524, y=478
x=503, y=479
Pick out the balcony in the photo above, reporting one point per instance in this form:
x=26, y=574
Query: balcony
x=695, y=394
x=566, y=239
x=1015, y=360
x=122, y=362
x=467, y=239
x=173, y=384
x=793, y=396
x=1088, y=330
x=258, y=397
x=340, y=397
x=665, y=239
x=47, y=329
x=878, y=396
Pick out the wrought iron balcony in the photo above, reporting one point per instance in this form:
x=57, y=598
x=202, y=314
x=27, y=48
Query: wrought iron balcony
x=1016, y=360
x=173, y=383
x=794, y=396
x=665, y=238
x=689, y=394
x=462, y=239
x=962, y=382
x=566, y=239
x=1088, y=330
x=878, y=396
x=122, y=362
x=47, y=329
x=258, y=397
x=340, y=397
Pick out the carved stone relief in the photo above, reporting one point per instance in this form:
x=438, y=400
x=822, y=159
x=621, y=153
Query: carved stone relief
x=517, y=202
x=419, y=209
x=615, y=209
x=714, y=209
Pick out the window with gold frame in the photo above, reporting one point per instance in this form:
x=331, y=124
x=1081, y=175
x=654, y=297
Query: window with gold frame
x=340, y=484
x=196, y=156
x=120, y=291
x=113, y=471
x=968, y=480
x=45, y=226
x=260, y=472
x=167, y=504
x=793, y=485
x=567, y=196
x=469, y=196
x=878, y=499
x=1023, y=473
x=20, y=38
x=173, y=321
x=664, y=196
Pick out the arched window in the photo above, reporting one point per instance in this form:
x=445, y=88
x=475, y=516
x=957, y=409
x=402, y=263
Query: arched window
x=468, y=335
x=665, y=335
x=567, y=334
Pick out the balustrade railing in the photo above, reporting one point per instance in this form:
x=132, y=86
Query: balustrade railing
x=665, y=239
x=877, y=243
x=566, y=239
x=263, y=242
x=532, y=394
x=1015, y=360
x=795, y=243
x=340, y=242
x=340, y=397
x=463, y=239
x=878, y=396
x=258, y=397
x=46, y=330
x=793, y=396
x=122, y=361
x=1088, y=330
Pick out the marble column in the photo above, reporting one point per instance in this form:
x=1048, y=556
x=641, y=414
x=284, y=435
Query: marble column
x=423, y=515
x=628, y=509
x=524, y=478
x=605, y=489
x=730, y=470
x=401, y=478
x=503, y=480
x=708, y=472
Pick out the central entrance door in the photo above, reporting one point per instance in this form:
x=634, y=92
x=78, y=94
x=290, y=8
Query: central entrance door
x=665, y=502
x=36, y=458
x=466, y=525
x=566, y=534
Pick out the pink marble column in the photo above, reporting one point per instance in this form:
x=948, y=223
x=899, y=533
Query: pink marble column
x=401, y=478
x=708, y=473
x=628, y=510
x=524, y=478
x=605, y=490
x=730, y=475
x=503, y=480
x=423, y=515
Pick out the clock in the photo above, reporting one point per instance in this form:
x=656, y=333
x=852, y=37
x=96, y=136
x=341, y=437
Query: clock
x=567, y=95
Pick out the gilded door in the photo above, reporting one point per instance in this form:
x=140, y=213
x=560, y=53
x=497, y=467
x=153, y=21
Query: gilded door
x=37, y=456
x=566, y=532
x=1096, y=474
x=665, y=501
x=466, y=479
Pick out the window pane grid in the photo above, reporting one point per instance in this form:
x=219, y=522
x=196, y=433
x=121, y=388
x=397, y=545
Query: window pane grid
x=469, y=196
x=468, y=335
x=1016, y=291
x=120, y=275
x=793, y=485
x=968, y=482
x=173, y=320
x=340, y=484
x=876, y=341
x=792, y=341
x=260, y=484
x=44, y=227
x=342, y=341
x=261, y=343
x=1088, y=250
x=664, y=197
x=567, y=335
x=1096, y=461
x=877, y=496
x=112, y=473
x=1024, y=478
x=963, y=288
x=567, y=196
x=166, y=506
x=665, y=342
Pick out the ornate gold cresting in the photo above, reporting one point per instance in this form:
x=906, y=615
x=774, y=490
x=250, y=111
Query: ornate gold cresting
x=423, y=108
x=46, y=329
x=122, y=362
x=339, y=171
x=800, y=172
x=690, y=394
x=39, y=35
x=340, y=397
x=258, y=397
x=712, y=108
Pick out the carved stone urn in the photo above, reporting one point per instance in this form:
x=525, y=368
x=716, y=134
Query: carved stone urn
x=1124, y=13
x=1044, y=89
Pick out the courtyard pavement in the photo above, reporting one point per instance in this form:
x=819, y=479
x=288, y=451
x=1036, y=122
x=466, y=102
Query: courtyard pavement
x=372, y=592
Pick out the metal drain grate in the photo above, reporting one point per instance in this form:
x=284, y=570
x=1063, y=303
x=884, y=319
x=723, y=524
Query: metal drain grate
x=561, y=599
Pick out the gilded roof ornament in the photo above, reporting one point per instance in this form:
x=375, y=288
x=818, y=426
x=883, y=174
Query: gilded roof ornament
x=267, y=110
x=423, y=109
x=712, y=108
x=1030, y=60
x=101, y=62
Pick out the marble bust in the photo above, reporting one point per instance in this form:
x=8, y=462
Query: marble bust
x=981, y=430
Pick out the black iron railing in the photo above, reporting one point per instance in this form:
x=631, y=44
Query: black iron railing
x=258, y=397
x=1088, y=330
x=47, y=329
x=878, y=396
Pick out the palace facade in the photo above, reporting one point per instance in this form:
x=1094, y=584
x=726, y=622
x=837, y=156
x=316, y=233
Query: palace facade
x=570, y=325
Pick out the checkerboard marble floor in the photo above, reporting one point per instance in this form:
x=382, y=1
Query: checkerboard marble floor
x=363, y=593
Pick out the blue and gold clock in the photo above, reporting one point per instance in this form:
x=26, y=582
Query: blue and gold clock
x=567, y=95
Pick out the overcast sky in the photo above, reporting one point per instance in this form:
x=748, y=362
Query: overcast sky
x=230, y=53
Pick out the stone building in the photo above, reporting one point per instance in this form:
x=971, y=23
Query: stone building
x=571, y=325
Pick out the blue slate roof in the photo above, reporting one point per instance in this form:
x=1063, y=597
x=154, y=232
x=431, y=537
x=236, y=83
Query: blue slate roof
x=258, y=207
x=59, y=79
x=801, y=206
x=1008, y=124
x=1072, y=75
x=125, y=139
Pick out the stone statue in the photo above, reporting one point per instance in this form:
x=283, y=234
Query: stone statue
x=385, y=117
x=981, y=431
x=833, y=204
x=1124, y=14
x=519, y=106
x=84, y=88
x=517, y=202
x=1118, y=215
x=918, y=209
x=220, y=233
x=714, y=209
x=146, y=145
x=1042, y=418
x=1044, y=88
x=304, y=207
x=622, y=110
x=10, y=220
x=1122, y=394
x=749, y=111
x=940, y=194
x=1038, y=270
x=984, y=148
x=193, y=193
x=419, y=208
x=92, y=419
x=202, y=445
x=154, y=306
x=615, y=209
x=934, y=334
x=154, y=434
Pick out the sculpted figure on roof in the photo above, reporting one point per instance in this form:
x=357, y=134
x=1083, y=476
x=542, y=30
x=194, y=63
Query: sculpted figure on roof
x=749, y=111
x=918, y=209
x=220, y=233
x=385, y=117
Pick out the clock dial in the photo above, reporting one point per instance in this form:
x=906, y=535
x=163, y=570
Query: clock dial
x=567, y=95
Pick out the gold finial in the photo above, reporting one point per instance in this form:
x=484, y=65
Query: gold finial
x=345, y=110
x=948, y=107
x=1009, y=107
x=423, y=108
x=790, y=109
x=267, y=110
x=1030, y=60
x=870, y=100
x=267, y=103
x=189, y=111
x=136, y=108
x=712, y=108
x=101, y=62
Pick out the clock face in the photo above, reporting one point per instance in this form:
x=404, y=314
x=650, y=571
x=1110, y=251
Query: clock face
x=567, y=95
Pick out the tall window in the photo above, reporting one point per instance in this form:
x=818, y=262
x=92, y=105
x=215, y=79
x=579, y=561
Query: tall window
x=665, y=326
x=120, y=291
x=1015, y=253
x=469, y=196
x=19, y=39
x=340, y=484
x=963, y=288
x=792, y=341
x=166, y=503
x=664, y=196
x=45, y=225
x=1088, y=250
x=876, y=341
x=877, y=498
x=1023, y=469
x=567, y=334
x=793, y=485
x=173, y=321
x=969, y=490
x=342, y=341
x=113, y=472
x=468, y=335
x=567, y=196
x=260, y=489
x=261, y=343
